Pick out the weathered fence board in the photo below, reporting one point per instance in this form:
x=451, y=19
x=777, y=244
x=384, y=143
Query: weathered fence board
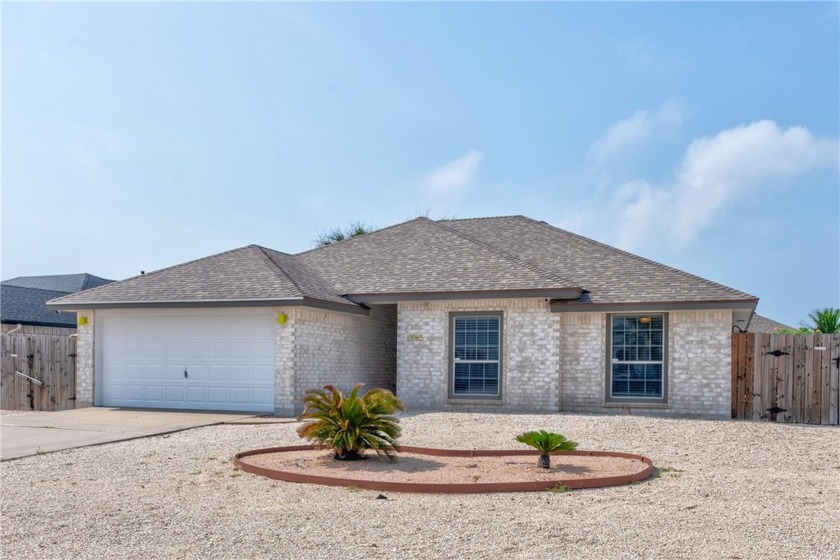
x=786, y=377
x=48, y=358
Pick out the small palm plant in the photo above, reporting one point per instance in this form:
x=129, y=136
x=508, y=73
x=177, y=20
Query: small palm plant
x=350, y=424
x=546, y=443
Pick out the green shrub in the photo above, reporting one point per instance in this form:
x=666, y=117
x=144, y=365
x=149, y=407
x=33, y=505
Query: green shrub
x=546, y=443
x=351, y=424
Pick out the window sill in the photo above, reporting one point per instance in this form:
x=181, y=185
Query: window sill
x=637, y=404
x=468, y=401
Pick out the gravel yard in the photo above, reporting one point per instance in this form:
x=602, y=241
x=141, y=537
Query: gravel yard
x=727, y=490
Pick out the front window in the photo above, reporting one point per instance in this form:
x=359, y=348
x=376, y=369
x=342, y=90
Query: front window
x=476, y=351
x=637, y=369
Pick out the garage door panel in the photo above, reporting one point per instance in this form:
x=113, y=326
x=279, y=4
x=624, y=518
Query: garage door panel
x=263, y=352
x=229, y=360
x=155, y=372
x=196, y=394
x=155, y=351
x=197, y=351
x=175, y=372
x=240, y=395
x=241, y=351
x=175, y=393
x=116, y=371
x=176, y=351
x=196, y=372
x=217, y=395
x=154, y=393
x=135, y=372
x=263, y=396
x=241, y=374
x=135, y=392
x=135, y=350
x=218, y=351
x=263, y=374
x=218, y=374
x=115, y=391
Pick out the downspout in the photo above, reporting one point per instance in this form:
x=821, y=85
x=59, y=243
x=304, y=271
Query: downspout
x=14, y=330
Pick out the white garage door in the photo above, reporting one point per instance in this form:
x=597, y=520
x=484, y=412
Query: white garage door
x=200, y=361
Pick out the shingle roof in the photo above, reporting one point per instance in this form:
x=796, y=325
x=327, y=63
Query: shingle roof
x=247, y=274
x=27, y=306
x=514, y=255
x=67, y=283
x=609, y=275
x=423, y=256
x=760, y=324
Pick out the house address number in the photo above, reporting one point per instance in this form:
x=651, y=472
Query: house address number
x=414, y=337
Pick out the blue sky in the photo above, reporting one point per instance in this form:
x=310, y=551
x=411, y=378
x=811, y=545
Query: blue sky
x=701, y=135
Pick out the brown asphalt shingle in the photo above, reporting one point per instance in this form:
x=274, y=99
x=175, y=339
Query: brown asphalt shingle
x=608, y=274
x=247, y=273
x=421, y=256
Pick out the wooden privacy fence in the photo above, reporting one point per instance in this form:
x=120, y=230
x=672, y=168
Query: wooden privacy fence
x=38, y=371
x=786, y=377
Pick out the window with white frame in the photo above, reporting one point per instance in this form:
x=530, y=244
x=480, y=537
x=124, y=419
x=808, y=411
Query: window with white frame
x=476, y=355
x=637, y=348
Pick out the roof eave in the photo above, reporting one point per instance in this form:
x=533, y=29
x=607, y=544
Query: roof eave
x=572, y=307
x=39, y=324
x=386, y=298
x=349, y=307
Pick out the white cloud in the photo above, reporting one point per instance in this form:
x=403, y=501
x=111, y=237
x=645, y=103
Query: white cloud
x=453, y=179
x=715, y=173
x=628, y=135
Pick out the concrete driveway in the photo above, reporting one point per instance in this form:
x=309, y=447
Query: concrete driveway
x=30, y=433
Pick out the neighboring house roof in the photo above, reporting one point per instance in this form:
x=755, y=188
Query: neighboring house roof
x=760, y=324
x=23, y=299
x=422, y=259
x=27, y=306
x=67, y=283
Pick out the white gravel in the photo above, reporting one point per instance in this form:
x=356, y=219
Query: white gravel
x=727, y=490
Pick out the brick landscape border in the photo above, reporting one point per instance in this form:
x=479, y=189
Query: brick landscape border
x=453, y=488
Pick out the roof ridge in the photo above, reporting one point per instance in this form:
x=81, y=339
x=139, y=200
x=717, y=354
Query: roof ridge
x=277, y=268
x=504, y=254
x=38, y=289
x=480, y=218
x=639, y=258
x=158, y=271
x=335, y=243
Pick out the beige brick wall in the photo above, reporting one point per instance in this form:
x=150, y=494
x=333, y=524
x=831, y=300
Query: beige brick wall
x=700, y=354
x=550, y=361
x=316, y=347
x=85, y=359
x=583, y=357
x=530, y=354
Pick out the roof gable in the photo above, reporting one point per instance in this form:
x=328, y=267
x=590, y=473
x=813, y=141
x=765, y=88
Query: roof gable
x=424, y=257
x=248, y=274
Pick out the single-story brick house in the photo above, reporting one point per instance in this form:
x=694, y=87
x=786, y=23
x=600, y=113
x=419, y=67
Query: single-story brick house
x=502, y=313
